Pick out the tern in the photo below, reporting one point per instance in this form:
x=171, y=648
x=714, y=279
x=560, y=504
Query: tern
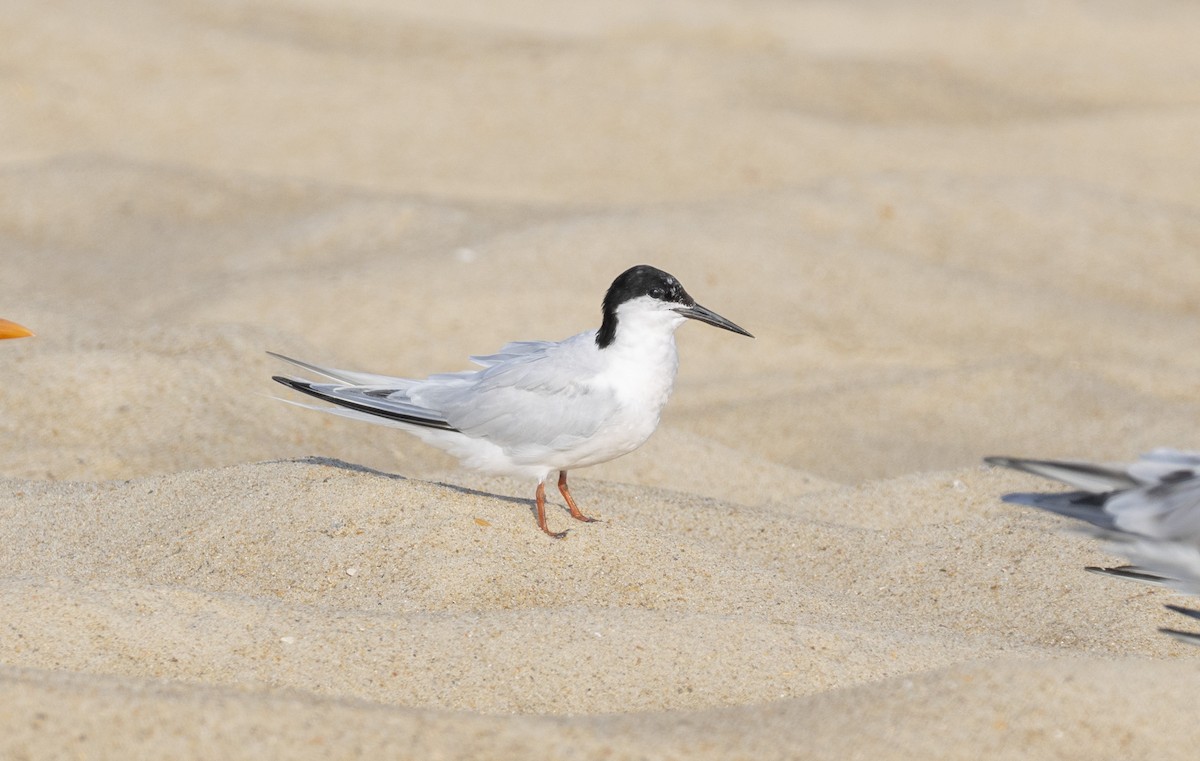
x=10, y=329
x=538, y=407
x=1148, y=511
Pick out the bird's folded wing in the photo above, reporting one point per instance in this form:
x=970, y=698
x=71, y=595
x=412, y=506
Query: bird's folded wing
x=525, y=402
x=1168, y=510
x=512, y=351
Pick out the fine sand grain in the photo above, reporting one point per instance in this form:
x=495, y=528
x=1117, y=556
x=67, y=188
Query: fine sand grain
x=955, y=231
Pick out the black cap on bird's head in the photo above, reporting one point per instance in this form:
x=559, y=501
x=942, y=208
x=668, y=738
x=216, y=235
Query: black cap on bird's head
x=646, y=281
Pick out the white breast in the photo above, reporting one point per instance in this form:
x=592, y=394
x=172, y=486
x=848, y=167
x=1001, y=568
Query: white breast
x=638, y=369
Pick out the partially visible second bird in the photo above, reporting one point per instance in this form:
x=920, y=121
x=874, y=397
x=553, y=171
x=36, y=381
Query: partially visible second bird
x=538, y=407
x=1148, y=511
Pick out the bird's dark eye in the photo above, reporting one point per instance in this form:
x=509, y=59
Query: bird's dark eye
x=657, y=292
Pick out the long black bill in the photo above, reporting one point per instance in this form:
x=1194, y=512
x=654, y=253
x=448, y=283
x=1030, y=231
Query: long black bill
x=703, y=314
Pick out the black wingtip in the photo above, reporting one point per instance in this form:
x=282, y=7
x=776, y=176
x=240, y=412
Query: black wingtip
x=307, y=388
x=1080, y=505
x=299, y=385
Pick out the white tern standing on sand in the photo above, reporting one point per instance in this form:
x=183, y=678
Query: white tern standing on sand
x=538, y=407
x=1148, y=511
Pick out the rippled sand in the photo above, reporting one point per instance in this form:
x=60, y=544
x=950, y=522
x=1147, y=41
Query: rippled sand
x=955, y=232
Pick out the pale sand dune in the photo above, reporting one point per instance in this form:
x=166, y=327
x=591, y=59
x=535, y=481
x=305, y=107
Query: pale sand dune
x=903, y=718
x=954, y=231
x=403, y=608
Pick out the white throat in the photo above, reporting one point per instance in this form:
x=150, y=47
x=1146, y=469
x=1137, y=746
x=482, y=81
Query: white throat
x=642, y=359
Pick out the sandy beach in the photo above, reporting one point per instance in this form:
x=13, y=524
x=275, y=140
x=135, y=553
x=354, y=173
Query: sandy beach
x=954, y=231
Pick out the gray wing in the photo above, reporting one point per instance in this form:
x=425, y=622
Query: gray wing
x=1177, y=564
x=528, y=401
x=1081, y=475
x=364, y=396
x=1163, y=465
x=513, y=351
x=1157, y=497
x=1168, y=509
x=530, y=397
x=1083, y=506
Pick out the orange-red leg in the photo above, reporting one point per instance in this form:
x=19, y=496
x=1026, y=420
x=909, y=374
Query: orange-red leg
x=575, y=513
x=541, y=510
